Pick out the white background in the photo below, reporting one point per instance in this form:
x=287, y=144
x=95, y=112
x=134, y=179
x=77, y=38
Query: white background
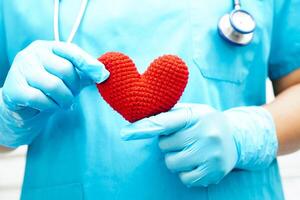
x=12, y=169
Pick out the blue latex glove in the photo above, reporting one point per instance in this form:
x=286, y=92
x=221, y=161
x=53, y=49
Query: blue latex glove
x=203, y=144
x=44, y=77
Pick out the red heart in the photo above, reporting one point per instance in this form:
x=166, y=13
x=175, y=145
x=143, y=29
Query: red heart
x=136, y=96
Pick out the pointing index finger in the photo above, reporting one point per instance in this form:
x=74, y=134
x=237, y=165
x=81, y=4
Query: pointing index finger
x=161, y=124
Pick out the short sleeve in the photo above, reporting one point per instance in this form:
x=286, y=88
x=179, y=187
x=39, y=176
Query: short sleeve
x=4, y=65
x=285, y=47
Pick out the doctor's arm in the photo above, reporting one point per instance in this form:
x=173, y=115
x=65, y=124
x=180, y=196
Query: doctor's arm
x=203, y=144
x=285, y=110
x=3, y=62
x=284, y=63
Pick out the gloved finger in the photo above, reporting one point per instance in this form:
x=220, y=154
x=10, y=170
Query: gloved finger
x=177, y=141
x=64, y=70
x=51, y=86
x=161, y=124
x=198, y=176
x=25, y=96
x=35, y=99
x=91, y=68
x=184, y=160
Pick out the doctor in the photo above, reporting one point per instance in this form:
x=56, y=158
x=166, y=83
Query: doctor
x=220, y=142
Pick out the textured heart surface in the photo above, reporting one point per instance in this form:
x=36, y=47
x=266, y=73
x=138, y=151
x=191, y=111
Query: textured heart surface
x=136, y=96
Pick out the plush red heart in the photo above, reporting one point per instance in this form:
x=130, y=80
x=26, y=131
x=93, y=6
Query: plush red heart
x=136, y=96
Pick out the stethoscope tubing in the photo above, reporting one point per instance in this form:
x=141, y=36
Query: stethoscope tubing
x=83, y=7
x=76, y=25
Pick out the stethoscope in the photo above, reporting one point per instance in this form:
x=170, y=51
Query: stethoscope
x=236, y=27
x=76, y=25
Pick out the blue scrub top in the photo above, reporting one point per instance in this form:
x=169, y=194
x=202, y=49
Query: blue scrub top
x=80, y=155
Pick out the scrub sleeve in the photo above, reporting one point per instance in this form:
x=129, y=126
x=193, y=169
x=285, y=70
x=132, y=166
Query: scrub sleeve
x=285, y=49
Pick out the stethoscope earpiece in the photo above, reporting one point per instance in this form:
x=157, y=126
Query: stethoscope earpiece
x=237, y=27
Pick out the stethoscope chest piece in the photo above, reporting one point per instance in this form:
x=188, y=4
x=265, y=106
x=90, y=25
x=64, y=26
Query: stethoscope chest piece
x=237, y=27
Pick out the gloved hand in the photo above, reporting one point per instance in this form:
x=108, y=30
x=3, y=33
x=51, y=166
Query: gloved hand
x=203, y=144
x=44, y=77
